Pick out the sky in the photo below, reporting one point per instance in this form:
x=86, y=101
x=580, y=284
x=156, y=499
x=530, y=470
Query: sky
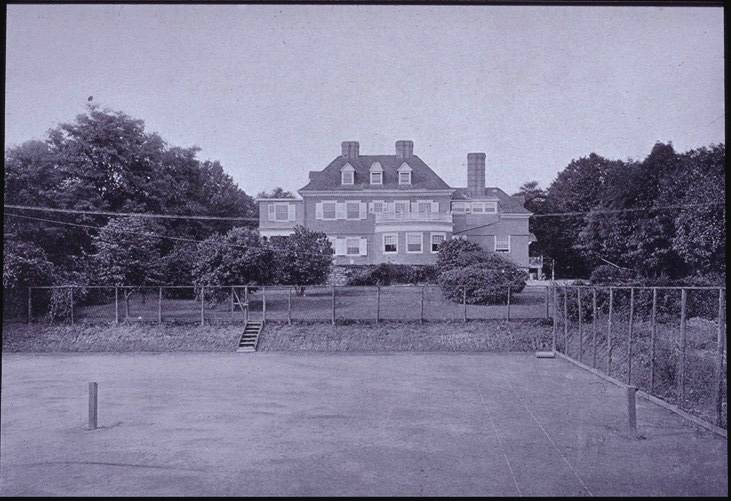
x=272, y=91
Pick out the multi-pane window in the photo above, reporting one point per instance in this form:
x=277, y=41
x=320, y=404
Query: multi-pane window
x=328, y=210
x=436, y=240
x=281, y=212
x=414, y=242
x=352, y=246
x=458, y=207
x=404, y=178
x=401, y=206
x=502, y=243
x=423, y=207
x=390, y=243
x=376, y=177
x=378, y=207
x=347, y=176
x=352, y=210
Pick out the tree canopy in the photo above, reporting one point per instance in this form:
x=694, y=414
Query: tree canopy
x=106, y=161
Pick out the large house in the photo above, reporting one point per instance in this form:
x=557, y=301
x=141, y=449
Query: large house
x=395, y=208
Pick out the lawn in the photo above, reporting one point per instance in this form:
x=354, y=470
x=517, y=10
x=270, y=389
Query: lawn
x=351, y=303
x=478, y=335
x=329, y=424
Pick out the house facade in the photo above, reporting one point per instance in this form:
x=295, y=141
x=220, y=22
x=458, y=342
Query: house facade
x=396, y=209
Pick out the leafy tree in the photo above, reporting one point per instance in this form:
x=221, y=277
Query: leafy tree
x=577, y=188
x=303, y=258
x=25, y=264
x=534, y=195
x=700, y=237
x=106, y=160
x=277, y=192
x=237, y=258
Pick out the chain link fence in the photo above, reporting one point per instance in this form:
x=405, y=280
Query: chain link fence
x=237, y=304
x=668, y=342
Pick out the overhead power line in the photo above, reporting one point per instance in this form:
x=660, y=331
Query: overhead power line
x=599, y=211
x=130, y=214
x=147, y=234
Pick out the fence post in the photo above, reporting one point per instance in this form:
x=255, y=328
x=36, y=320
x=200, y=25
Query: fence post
x=93, y=388
x=548, y=314
x=71, y=300
x=203, y=291
x=464, y=304
x=289, y=305
x=232, y=304
x=581, y=327
x=246, y=303
x=116, y=305
x=263, y=304
x=629, y=333
x=421, y=306
x=508, y=303
x=609, y=332
x=378, y=303
x=593, y=327
x=555, y=319
x=30, y=305
x=566, y=321
x=159, y=307
x=719, y=359
x=632, y=409
x=653, y=334
x=681, y=379
x=333, y=301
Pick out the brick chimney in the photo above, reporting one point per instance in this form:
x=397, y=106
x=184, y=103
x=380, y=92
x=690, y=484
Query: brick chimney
x=404, y=149
x=475, y=172
x=349, y=149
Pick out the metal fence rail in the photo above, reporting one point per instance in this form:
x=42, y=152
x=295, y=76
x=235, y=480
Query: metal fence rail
x=667, y=341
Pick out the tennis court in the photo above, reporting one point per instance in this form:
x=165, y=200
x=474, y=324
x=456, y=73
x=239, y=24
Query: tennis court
x=310, y=424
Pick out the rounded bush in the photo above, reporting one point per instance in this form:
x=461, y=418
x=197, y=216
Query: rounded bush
x=606, y=274
x=483, y=283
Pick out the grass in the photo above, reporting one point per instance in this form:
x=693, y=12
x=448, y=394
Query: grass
x=488, y=335
x=118, y=338
x=473, y=336
x=351, y=303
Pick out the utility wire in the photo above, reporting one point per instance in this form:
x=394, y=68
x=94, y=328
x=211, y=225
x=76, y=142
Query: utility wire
x=150, y=234
x=598, y=211
x=131, y=214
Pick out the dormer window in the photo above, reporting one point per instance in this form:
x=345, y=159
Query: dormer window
x=404, y=174
x=376, y=173
x=347, y=174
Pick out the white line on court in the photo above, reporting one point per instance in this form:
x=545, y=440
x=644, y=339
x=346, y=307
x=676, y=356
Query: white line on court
x=500, y=442
x=548, y=436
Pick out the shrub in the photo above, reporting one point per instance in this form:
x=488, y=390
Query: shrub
x=458, y=253
x=606, y=274
x=484, y=284
x=388, y=273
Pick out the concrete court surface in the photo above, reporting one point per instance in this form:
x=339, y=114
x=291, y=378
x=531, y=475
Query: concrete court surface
x=338, y=424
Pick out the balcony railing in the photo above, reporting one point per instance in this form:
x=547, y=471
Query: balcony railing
x=390, y=217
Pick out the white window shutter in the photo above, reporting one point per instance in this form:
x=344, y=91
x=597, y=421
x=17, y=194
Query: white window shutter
x=318, y=210
x=340, y=210
x=270, y=206
x=363, y=210
x=434, y=206
x=363, y=246
x=290, y=212
x=340, y=247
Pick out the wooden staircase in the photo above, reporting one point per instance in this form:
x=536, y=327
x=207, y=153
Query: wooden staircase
x=250, y=337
